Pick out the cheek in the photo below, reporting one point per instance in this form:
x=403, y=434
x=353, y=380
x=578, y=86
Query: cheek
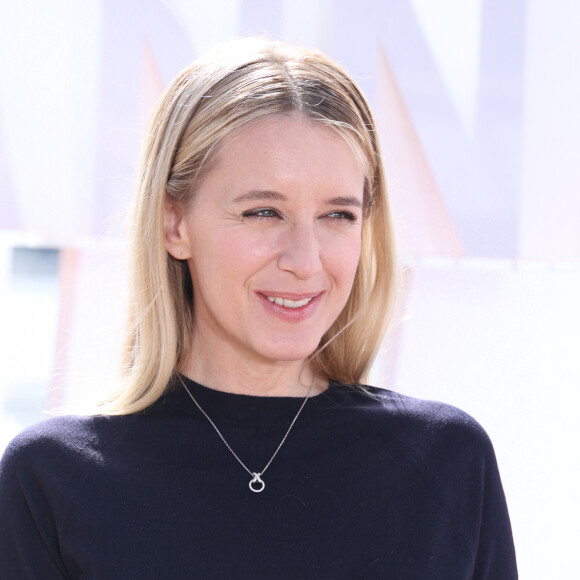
x=341, y=259
x=238, y=255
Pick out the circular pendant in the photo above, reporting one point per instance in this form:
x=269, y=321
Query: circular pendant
x=257, y=485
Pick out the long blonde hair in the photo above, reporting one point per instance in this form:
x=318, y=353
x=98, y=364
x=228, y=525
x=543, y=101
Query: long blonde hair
x=241, y=82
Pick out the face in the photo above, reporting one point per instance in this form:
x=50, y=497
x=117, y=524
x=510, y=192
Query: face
x=272, y=240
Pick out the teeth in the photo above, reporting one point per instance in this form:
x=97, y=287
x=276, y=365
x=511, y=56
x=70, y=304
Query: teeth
x=289, y=303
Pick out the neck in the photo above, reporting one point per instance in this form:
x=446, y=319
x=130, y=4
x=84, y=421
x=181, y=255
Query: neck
x=237, y=374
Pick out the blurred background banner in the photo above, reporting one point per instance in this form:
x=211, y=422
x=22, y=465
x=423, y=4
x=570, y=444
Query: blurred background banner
x=478, y=106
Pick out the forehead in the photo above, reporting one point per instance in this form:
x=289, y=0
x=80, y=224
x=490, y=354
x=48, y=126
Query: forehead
x=289, y=142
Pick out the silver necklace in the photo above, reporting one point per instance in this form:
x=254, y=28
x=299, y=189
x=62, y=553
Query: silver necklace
x=256, y=483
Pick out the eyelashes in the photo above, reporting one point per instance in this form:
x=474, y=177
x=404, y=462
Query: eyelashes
x=342, y=215
x=269, y=213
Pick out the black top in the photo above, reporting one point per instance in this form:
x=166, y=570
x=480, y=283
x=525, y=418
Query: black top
x=366, y=486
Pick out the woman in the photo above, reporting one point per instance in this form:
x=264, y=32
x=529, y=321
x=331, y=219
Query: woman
x=242, y=443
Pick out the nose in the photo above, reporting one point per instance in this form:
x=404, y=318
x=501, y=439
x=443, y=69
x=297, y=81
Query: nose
x=301, y=252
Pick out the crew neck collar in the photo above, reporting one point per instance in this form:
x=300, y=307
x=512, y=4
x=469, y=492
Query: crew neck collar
x=224, y=407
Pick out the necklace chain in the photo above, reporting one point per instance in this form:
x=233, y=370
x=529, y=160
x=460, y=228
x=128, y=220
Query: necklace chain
x=256, y=483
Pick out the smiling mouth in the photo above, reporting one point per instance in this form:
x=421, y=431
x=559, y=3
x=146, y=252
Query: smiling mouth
x=289, y=303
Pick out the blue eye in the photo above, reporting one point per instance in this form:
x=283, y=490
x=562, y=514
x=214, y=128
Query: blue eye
x=262, y=213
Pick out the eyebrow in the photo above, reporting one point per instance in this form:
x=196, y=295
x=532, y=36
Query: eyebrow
x=259, y=195
x=350, y=201
x=268, y=195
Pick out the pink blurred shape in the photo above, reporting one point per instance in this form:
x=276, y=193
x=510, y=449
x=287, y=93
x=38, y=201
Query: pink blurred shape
x=424, y=224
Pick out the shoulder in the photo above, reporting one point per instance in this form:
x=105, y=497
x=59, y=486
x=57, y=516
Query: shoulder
x=425, y=428
x=61, y=430
x=396, y=407
x=431, y=416
x=53, y=442
x=433, y=442
x=444, y=452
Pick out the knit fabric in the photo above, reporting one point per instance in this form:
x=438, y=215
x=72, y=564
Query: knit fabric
x=368, y=485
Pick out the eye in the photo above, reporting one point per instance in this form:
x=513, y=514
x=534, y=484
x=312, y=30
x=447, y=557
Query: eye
x=340, y=215
x=261, y=213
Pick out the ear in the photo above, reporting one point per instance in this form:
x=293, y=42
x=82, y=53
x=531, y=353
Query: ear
x=176, y=242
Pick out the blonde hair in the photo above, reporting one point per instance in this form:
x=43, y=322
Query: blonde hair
x=241, y=82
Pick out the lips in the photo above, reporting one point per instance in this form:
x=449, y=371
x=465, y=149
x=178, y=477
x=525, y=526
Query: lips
x=291, y=306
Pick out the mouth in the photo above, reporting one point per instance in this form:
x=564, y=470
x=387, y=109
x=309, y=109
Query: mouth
x=290, y=306
x=287, y=303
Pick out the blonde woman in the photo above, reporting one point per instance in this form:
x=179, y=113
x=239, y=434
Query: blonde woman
x=242, y=442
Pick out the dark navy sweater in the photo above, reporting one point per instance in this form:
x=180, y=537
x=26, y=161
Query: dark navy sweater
x=381, y=486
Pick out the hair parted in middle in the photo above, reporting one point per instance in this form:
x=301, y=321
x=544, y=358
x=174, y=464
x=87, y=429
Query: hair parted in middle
x=242, y=82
